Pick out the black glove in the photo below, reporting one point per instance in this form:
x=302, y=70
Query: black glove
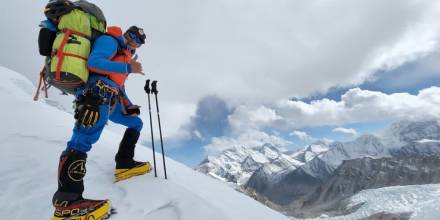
x=87, y=110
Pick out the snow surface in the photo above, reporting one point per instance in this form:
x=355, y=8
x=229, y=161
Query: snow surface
x=34, y=134
x=421, y=200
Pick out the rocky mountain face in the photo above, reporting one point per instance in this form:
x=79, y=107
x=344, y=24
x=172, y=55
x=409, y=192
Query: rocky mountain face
x=366, y=173
x=423, y=147
x=387, y=153
x=322, y=176
x=308, y=177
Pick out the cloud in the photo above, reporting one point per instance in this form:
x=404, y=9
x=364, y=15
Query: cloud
x=252, y=53
x=210, y=119
x=327, y=140
x=356, y=105
x=427, y=69
x=247, y=52
x=250, y=138
x=302, y=135
x=350, y=131
x=248, y=117
x=198, y=135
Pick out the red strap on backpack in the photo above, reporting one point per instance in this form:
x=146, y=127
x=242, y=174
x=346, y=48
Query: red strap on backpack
x=37, y=93
x=60, y=52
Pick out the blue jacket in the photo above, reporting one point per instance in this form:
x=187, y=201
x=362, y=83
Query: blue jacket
x=104, y=49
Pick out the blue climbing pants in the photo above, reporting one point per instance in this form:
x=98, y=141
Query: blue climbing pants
x=83, y=138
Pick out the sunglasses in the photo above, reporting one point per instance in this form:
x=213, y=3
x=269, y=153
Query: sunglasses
x=135, y=38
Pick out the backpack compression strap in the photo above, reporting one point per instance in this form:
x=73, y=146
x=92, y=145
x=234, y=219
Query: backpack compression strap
x=60, y=52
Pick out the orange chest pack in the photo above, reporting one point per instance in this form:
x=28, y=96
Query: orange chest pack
x=123, y=55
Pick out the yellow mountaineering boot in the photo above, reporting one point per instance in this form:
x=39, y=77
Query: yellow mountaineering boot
x=126, y=167
x=68, y=200
x=137, y=168
x=84, y=209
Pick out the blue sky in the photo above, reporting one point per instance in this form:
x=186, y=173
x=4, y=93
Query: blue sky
x=212, y=113
x=410, y=78
x=210, y=121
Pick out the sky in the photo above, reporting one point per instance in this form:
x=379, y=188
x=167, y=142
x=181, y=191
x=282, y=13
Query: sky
x=248, y=72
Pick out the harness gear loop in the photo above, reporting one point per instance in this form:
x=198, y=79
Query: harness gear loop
x=105, y=88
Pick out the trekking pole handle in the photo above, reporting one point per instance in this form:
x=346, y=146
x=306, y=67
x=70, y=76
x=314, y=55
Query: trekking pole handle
x=154, y=87
x=147, y=86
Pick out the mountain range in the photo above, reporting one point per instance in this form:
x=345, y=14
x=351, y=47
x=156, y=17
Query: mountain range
x=320, y=178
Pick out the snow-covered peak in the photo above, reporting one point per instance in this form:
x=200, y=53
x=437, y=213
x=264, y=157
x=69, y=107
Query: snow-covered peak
x=399, y=134
x=260, y=154
x=363, y=146
x=366, y=145
x=405, y=132
x=317, y=148
x=237, y=164
x=270, y=151
x=310, y=151
x=280, y=165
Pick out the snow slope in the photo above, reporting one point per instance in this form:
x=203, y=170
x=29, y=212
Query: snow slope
x=33, y=134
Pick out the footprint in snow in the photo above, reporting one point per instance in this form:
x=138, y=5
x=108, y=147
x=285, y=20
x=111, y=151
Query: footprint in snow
x=167, y=211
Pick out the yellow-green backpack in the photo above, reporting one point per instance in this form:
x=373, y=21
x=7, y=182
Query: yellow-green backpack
x=77, y=25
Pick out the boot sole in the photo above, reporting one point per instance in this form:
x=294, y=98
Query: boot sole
x=103, y=212
x=123, y=174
